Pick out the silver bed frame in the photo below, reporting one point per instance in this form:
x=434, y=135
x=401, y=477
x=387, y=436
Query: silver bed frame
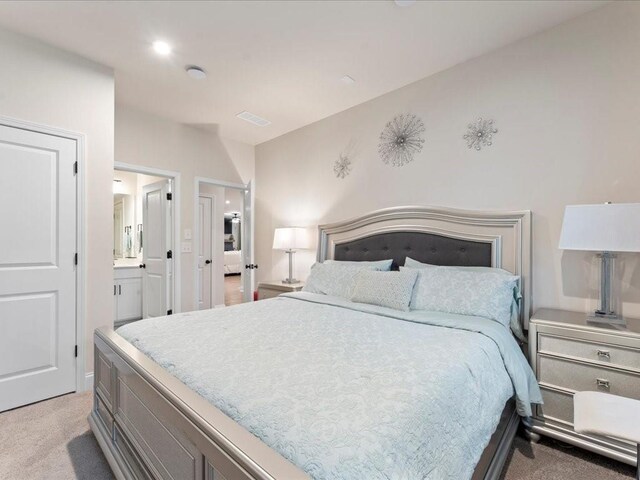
x=151, y=425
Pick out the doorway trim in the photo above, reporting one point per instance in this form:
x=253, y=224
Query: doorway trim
x=83, y=381
x=176, y=213
x=196, y=225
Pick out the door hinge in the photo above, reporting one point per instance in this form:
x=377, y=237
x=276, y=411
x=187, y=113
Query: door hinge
x=75, y=259
x=75, y=168
x=169, y=196
x=169, y=312
x=169, y=254
x=75, y=351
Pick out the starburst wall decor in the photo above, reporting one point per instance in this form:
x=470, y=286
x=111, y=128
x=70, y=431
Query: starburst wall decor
x=401, y=139
x=342, y=166
x=480, y=134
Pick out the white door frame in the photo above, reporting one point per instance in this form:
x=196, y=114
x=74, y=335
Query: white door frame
x=176, y=303
x=82, y=381
x=196, y=227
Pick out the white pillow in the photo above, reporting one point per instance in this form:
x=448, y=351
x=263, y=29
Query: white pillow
x=514, y=323
x=386, y=289
x=384, y=265
x=452, y=290
x=335, y=279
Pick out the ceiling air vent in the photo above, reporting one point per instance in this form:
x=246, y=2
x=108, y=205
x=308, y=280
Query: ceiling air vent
x=255, y=119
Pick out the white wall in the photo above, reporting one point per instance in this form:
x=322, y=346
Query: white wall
x=42, y=84
x=148, y=140
x=567, y=106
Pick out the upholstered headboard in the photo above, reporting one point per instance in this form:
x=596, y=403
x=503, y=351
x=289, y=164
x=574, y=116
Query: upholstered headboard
x=424, y=247
x=436, y=235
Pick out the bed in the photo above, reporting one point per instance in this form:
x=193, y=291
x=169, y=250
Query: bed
x=232, y=262
x=159, y=413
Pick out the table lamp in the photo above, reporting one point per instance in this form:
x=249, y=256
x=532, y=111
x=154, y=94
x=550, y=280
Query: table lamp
x=290, y=239
x=604, y=228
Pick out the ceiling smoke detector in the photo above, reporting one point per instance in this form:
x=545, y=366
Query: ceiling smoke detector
x=195, y=72
x=252, y=118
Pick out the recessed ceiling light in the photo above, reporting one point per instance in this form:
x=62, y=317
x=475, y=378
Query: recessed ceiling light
x=227, y=202
x=252, y=118
x=404, y=3
x=195, y=72
x=162, y=48
x=347, y=80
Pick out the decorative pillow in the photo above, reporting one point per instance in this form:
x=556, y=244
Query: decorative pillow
x=453, y=290
x=384, y=265
x=334, y=278
x=515, y=325
x=386, y=289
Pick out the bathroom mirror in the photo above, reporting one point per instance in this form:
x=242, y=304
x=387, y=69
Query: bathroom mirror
x=124, y=228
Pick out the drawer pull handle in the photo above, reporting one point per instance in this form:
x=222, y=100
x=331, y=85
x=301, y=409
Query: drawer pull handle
x=602, y=383
x=604, y=354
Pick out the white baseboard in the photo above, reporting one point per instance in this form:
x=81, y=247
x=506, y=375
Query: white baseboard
x=220, y=305
x=88, y=382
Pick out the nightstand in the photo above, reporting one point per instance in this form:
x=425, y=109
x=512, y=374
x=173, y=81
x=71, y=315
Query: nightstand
x=569, y=355
x=273, y=288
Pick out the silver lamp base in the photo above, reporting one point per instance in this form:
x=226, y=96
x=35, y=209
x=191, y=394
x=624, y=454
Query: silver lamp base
x=602, y=318
x=605, y=314
x=290, y=280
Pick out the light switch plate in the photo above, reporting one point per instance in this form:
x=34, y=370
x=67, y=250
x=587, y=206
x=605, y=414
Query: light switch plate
x=187, y=234
x=186, y=247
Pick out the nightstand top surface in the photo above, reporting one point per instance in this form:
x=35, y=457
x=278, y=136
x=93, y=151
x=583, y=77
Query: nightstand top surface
x=278, y=284
x=580, y=320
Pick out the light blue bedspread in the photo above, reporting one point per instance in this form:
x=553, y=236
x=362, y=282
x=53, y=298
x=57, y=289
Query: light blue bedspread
x=349, y=391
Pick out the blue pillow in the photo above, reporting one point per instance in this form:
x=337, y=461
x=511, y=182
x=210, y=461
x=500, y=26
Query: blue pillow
x=382, y=265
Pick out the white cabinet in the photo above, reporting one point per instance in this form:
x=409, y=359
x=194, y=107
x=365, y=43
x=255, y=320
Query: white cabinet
x=127, y=295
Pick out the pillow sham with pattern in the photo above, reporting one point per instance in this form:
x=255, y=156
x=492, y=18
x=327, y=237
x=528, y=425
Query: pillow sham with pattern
x=384, y=265
x=452, y=290
x=516, y=326
x=386, y=289
x=334, y=279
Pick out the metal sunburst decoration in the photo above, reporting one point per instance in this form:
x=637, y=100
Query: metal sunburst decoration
x=480, y=133
x=401, y=139
x=342, y=166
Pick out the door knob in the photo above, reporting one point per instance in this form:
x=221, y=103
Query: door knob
x=207, y=262
x=143, y=265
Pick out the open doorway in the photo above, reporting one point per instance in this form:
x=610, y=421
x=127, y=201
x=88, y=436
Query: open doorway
x=223, y=247
x=144, y=257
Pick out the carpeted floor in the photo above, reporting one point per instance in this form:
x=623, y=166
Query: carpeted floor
x=51, y=440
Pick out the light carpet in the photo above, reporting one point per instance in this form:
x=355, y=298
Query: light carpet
x=51, y=440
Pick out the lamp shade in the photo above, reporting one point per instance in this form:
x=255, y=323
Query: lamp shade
x=290, y=238
x=601, y=228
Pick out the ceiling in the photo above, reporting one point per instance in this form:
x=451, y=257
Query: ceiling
x=281, y=60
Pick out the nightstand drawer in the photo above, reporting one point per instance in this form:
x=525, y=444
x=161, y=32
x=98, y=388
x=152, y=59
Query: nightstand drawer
x=579, y=377
x=557, y=406
x=595, y=352
x=264, y=293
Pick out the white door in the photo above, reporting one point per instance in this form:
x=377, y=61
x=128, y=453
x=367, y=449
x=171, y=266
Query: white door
x=205, y=251
x=248, y=267
x=37, y=266
x=156, y=227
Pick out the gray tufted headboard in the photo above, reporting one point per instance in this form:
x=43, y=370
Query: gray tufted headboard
x=424, y=247
x=436, y=235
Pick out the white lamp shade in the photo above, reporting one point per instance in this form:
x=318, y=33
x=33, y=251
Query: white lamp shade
x=601, y=228
x=291, y=238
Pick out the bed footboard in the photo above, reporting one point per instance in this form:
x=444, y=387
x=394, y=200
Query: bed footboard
x=151, y=425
